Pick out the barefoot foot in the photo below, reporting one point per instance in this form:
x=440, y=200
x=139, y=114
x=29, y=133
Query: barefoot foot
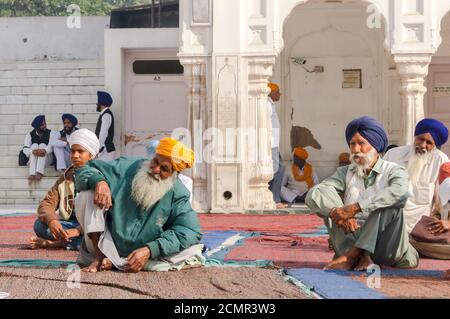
x=106, y=265
x=342, y=263
x=39, y=243
x=364, y=263
x=95, y=266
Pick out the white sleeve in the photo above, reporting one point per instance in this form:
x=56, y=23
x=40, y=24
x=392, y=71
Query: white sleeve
x=55, y=140
x=106, y=124
x=27, y=145
x=444, y=192
x=54, y=136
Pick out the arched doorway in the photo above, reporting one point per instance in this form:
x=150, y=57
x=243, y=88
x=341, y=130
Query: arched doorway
x=437, y=99
x=333, y=68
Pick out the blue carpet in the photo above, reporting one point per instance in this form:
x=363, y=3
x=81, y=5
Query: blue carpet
x=333, y=285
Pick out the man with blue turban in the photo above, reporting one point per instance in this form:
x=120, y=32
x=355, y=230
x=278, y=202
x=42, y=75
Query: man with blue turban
x=60, y=144
x=423, y=160
x=37, y=147
x=105, y=126
x=362, y=204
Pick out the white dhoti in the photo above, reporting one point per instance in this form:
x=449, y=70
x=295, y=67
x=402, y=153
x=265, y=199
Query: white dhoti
x=62, y=155
x=92, y=220
x=38, y=164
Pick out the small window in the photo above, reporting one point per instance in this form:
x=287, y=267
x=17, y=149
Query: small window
x=159, y=67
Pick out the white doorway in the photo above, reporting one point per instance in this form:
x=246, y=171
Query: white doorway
x=155, y=98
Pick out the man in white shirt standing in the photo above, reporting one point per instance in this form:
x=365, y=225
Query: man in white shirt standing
x=105, y=127
x=423, y=161
x=275, y=184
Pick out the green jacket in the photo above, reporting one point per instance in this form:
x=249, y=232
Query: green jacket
x=168, y=228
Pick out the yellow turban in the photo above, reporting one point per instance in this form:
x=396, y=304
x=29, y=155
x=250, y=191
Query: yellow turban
x=274, y=87
x=301, y=153
x=181, y=156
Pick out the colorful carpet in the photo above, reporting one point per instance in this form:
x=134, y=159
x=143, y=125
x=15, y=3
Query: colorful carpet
x=297, y=243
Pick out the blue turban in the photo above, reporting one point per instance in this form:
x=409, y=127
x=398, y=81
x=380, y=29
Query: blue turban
x=370, y=129
x=437, y=129
x=38, y=121
x=104, y=99
x=151, y=148
x=71, y=118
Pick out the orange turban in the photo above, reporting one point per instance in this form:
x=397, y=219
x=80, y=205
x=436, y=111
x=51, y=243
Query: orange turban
x=274, y=87
x=181, y=156
x=344, y=157
x=301, y=153
x=444, y=172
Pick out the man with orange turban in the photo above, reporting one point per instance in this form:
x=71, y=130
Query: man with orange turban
x=275, y=184
x=149, y=223
x=299, y=179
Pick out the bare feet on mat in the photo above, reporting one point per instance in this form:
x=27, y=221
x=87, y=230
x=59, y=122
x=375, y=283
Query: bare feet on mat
x=281, y=206
x=341, y=263
x=364, y=263
x=39, y=243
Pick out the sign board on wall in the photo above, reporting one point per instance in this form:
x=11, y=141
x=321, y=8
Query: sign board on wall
x=352, y=79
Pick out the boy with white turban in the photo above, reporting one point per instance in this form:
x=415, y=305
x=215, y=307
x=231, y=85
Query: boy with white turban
x=57, y=225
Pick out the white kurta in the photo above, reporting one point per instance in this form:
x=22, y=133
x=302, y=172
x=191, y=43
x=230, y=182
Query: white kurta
x=444, y=196
x=291, y=188
x=420, y=202
x=276, y=126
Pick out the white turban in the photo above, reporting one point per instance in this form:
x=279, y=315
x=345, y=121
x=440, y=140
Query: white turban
x=87, y=139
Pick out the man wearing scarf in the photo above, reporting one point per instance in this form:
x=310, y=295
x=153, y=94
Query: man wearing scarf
x=60, y=144
x=423, y=161
x=37, y=148
x=299, y=179
x=367, y=227
x=149, y=223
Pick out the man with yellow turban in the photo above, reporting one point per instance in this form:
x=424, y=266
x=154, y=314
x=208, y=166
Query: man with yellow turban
x=299, y=179
x=275, y=184
x=136, y=213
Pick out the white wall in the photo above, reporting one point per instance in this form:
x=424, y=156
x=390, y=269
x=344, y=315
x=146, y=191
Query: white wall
x=49, y=38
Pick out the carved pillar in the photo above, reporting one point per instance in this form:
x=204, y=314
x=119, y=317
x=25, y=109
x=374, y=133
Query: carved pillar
x=413, y=70
x=259, y=163
x=195, y=78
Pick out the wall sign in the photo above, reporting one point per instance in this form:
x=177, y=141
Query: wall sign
x=352, y=79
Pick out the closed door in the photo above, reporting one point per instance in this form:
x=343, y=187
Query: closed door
x=155, y=99
x=438, y=96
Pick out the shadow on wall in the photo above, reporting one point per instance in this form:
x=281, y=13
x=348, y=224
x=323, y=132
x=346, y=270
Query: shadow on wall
x=303, y=137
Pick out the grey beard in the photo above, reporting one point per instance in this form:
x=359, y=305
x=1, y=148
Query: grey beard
x=416, y=166
x=148, y=189
x=369, y=158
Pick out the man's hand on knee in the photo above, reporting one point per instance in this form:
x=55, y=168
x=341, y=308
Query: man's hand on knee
x=103, y=197
x=344, y=213
x=58, y=231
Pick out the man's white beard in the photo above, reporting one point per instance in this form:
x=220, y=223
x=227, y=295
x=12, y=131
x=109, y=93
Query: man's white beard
x=148, y=189
x=369, y=158
x=416, y=166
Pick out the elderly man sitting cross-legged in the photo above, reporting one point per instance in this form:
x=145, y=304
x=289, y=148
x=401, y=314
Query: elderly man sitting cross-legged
x=149, y=223
x=368, y=227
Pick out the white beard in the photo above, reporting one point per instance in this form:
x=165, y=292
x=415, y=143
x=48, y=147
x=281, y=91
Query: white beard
x=369, y=158
x=148, y=189
x=416, y=166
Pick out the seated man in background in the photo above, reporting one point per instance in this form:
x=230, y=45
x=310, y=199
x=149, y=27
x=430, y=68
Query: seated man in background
x=368, y=226
x=57, y=225
x=344, y=159
x=423, y=161
x=38, y=149
x=149, y=223
x=61, y=147
x=431, y=236
x=298, y=180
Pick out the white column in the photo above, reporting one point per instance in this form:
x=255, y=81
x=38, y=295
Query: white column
x=413, y=69
x=259, y=165
x=195, y=78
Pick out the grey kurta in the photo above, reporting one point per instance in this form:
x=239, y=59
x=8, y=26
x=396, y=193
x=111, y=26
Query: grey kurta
x=383, y=235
